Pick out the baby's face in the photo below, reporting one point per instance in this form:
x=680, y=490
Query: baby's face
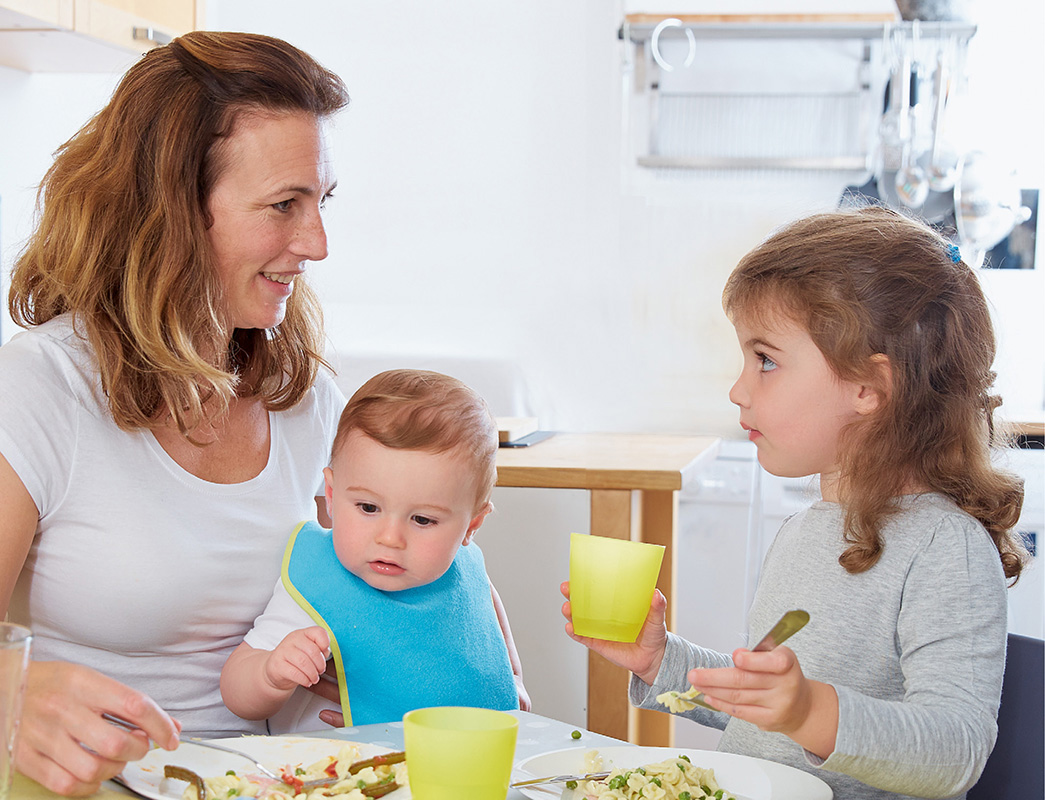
x=399, y=515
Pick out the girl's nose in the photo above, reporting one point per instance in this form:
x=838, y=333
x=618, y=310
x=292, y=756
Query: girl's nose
x=738, y=394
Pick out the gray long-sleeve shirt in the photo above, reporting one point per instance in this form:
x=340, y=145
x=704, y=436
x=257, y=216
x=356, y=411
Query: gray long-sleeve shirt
x=915, y=648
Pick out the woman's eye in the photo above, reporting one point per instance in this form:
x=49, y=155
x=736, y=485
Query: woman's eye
x=767, y=364
x=367, y=508
x=423, y=521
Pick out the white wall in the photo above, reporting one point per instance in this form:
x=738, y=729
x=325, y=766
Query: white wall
x=483, y=209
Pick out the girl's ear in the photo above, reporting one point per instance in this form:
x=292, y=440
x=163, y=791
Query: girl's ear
x=477, y=522
x=878, y=388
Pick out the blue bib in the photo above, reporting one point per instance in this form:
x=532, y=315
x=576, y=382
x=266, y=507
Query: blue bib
x=433, y=645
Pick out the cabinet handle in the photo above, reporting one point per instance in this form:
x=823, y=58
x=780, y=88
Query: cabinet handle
x=151, y=35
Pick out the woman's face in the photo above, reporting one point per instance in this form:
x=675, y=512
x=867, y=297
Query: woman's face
x=265, y=208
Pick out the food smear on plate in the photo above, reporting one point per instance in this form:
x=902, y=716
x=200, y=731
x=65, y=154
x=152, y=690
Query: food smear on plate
x=356, y=780
x=671, y=779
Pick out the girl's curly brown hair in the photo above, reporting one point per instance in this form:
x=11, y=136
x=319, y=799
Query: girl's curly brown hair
x=873, y=282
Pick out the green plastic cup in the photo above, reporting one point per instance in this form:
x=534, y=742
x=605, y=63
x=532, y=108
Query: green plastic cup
x=611, y=585
x=454, y=752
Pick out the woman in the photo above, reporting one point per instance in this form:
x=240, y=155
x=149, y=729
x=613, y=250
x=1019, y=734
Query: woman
x=164, y=422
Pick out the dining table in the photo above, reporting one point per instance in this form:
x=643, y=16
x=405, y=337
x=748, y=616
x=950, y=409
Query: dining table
x=537, y=735
x=633, y=480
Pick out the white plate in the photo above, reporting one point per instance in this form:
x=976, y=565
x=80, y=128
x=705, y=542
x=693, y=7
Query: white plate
x=146, y=776
x=752, y=778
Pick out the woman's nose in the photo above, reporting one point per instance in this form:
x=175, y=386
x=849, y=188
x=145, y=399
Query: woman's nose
x=310, y=239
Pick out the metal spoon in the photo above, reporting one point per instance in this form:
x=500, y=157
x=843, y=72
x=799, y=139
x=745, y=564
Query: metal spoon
x=911, y=183
x=943, y=163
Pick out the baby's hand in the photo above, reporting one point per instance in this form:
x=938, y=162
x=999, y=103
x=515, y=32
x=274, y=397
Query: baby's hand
x=299, y=659
x=643, y=656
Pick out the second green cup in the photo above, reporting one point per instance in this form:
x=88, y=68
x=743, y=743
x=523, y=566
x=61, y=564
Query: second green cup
x=611, y=585
x=454, y=752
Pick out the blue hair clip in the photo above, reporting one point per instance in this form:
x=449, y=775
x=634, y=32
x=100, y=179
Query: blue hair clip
x=954, y=253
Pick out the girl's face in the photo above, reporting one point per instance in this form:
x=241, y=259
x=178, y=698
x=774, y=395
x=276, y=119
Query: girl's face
x=265, y=206
x=792, y=404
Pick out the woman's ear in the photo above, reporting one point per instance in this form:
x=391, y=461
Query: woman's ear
x=878, y=388
x=477, y=522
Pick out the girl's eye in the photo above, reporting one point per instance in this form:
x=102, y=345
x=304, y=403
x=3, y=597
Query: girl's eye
x=424, y=522
x=282, y=205
x=767, y=363
x=367, y=508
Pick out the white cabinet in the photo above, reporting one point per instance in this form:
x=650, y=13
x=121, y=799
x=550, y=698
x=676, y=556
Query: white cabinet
x=88, y=35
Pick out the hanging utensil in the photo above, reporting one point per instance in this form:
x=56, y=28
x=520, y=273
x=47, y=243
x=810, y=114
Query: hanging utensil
x=911, y=182
x=943, y=163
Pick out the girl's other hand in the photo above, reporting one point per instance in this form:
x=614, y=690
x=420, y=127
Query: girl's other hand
x=64, y=743
x=769, y=690
x=643, y=656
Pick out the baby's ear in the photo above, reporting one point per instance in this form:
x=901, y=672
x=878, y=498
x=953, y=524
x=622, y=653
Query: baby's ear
x=477, y=522
x=878, y=388
x=328, y=490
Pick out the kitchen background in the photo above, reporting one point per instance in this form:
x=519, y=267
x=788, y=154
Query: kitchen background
x=492, y=221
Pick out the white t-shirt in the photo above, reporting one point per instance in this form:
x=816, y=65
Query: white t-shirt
x=282, y=616
x=139, y=569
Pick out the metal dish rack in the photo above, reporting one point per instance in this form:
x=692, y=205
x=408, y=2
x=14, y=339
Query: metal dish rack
x=765, y=93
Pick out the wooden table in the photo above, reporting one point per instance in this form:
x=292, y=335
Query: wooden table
x=633, y=480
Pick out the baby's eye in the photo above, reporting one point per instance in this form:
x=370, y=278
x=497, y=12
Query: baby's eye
x=767, y=363
x=424, y=522
x=367, y=508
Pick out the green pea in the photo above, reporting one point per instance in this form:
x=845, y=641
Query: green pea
x=576, y=735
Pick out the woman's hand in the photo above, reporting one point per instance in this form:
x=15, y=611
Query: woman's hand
x=643, y=656
x=769, y=690
x=63, y=741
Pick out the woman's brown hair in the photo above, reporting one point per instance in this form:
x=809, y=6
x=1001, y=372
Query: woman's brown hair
x=410, y=409
x=122, y=236
x=871, y=282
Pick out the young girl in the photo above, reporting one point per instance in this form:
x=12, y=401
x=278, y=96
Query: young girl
x=867, y=351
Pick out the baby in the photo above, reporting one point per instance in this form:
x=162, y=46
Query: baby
x=396, y=594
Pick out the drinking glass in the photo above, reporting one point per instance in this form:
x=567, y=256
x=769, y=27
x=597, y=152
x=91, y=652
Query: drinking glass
x=611, y=585
x=453, y=752
x=15, y=642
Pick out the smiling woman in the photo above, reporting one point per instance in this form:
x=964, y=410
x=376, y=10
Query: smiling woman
x=167, y=416
x=265, y=211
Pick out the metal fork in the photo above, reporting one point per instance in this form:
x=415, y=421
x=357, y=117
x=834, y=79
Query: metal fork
x=305, y=785
x=591, y=776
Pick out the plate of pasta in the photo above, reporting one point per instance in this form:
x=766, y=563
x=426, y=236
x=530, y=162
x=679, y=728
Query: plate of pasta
x=676, y=771
x=298, y=758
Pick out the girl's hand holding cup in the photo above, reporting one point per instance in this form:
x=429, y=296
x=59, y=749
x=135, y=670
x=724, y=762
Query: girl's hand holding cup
x=643, y=656
x=615, y=608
